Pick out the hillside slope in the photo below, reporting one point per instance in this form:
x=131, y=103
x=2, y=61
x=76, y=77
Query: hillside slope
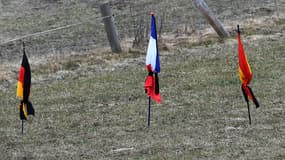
x=91, y=104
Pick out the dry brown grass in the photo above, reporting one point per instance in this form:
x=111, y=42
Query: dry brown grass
x=98, y=110
x=93, y=106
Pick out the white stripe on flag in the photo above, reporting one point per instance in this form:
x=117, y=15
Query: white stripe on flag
x=151, y=53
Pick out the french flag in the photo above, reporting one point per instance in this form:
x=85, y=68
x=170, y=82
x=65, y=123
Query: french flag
x=152, y=64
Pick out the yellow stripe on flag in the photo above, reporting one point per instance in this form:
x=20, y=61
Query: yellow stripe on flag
x=25, y=110
x=241, y=75
x=20, y=90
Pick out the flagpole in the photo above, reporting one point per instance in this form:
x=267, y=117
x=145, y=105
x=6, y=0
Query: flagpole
x=22, y=126
x=247, y=102
x=148, y=116
x=249, y=117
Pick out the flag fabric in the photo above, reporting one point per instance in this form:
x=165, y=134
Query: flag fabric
x=245, y=74
x=23, y=89
x=152, y=65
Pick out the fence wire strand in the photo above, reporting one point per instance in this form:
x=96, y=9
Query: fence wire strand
x=52, y=30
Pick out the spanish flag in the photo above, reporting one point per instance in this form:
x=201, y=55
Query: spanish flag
x=23, y=89
x=152, y=64
x=245, y=74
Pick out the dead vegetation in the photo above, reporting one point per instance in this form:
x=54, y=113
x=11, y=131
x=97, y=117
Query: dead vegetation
x=93, y=106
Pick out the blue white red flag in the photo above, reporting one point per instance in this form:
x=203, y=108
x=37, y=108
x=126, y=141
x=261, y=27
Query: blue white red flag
x=152, y=64
x=152, y=57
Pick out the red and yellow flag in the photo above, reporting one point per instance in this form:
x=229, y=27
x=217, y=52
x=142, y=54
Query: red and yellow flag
x=245, y=74
x=23, y=89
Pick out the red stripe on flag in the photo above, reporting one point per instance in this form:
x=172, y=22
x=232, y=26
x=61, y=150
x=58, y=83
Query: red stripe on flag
x=21, y=74
x=150, y=88
x=243, y=63
x=247, y=91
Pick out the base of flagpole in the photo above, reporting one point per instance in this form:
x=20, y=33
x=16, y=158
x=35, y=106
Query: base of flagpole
x=22, y=126
x=249, y=117
x=148, y=117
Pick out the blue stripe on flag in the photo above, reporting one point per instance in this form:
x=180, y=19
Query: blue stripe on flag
x=154, y=36
x=153, y=28
x=157, y=65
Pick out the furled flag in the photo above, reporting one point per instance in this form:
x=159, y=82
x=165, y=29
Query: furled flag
x=153, y=65
x=245, y=74
x=23, y=89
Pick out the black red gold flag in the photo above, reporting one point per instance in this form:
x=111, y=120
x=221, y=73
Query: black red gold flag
x=23, y=88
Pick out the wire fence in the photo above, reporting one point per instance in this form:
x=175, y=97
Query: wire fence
x=76, y=26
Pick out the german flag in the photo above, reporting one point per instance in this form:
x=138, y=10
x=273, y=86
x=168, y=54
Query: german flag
x=245, y=74
x=23, y=88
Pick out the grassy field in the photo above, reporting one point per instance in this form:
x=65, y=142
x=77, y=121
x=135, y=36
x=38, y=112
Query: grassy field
x=93, y=105
x=98, y=110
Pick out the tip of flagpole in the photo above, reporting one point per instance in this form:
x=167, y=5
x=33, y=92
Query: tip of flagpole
x=151, y=13
x=24, y=47
x=238, y=28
